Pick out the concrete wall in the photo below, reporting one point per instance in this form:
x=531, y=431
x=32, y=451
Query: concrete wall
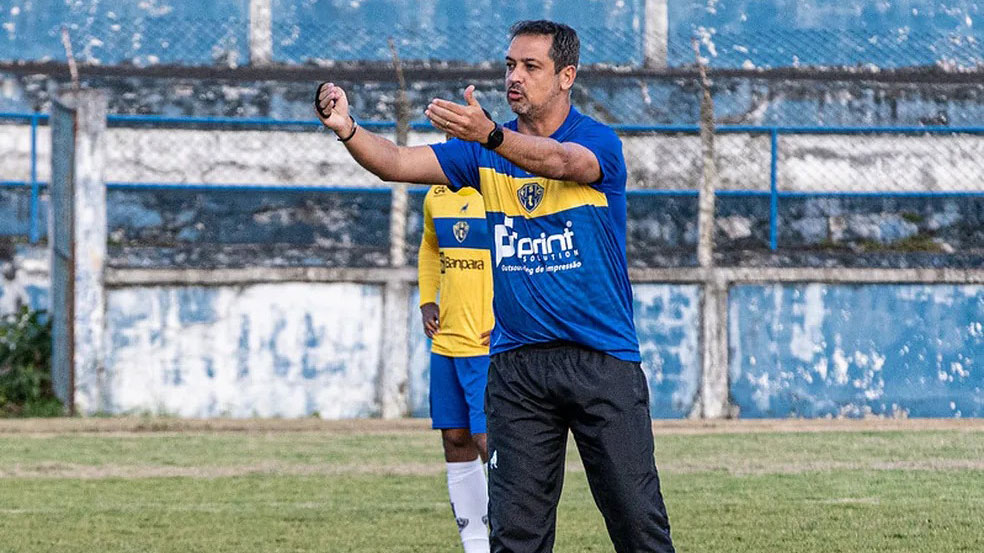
x=300, y=349
x=205, y=352
x=123, y=31
x=237, y=227
x=285, y=350
x=634, y=101
x=661, y=161
x=814, y=350
x=181, y=31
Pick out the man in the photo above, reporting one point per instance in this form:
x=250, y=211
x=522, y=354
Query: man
x=565, y=356
x=454, y=261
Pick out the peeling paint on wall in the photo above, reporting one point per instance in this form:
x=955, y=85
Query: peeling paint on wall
x=814, y=350
x=291, y=350
x=667, y=321
x=276, y=350
x=419, y=382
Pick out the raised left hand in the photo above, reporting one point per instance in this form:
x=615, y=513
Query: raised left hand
x=467, y=122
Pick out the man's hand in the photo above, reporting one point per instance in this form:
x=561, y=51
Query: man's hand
x=430, y=314
x=486, y=337
x=466, y=122
x=331, y=105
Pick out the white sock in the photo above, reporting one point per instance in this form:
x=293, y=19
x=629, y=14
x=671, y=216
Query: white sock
x=470, y=504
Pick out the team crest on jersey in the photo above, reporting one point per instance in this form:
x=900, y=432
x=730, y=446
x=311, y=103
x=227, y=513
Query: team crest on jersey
x=460, y=230
x=530, y=195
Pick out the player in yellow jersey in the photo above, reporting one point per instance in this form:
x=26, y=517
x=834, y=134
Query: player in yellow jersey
x=455, y=279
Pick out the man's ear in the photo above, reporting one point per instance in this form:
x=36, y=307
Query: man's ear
x=567, y=76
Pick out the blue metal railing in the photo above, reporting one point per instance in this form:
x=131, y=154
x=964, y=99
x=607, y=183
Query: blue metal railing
x=773, y=193
x=33, y=119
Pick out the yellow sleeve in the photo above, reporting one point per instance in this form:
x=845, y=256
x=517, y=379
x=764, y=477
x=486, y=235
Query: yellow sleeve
x=428, y=259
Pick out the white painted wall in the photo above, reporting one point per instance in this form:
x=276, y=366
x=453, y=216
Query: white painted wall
x=283, y=350
x=806, y=162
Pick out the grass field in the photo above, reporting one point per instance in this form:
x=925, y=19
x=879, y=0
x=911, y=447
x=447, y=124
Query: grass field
x=149, y=485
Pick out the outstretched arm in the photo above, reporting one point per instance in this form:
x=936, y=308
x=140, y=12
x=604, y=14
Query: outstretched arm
x=383, y=158
x=541, y=156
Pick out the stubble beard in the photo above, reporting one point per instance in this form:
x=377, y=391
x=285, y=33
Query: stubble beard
x=524, y=108
x=521, y=107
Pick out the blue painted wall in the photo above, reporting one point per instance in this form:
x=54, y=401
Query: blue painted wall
x=667, y=319
x=433, y=29
x=816, y=350
x=762, y=33
x=775, y=33
x=15, y=211
x=124, y=31
x=810, y=350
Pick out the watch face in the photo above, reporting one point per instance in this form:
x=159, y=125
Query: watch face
x=495, y=138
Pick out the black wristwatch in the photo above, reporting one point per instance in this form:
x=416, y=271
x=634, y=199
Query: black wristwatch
x=494, y=139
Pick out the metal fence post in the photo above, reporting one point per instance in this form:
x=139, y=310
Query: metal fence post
x=774, y=191
x=655, y=34
x=395, y=370
x=35, y=233
x=714, y=290
x=78, y=245
x=260, y=32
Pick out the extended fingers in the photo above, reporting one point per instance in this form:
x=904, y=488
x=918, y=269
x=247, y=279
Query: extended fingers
x=450, y=106
x=442, y=116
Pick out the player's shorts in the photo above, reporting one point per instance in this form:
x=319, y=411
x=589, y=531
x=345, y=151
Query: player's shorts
x=457, y=392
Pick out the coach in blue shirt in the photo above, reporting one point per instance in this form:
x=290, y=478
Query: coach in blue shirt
x=564, y=350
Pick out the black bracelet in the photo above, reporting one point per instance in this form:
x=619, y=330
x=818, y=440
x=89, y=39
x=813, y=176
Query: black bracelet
x=355, y=127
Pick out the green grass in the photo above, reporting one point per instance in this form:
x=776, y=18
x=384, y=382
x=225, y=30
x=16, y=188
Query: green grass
x=384, y=492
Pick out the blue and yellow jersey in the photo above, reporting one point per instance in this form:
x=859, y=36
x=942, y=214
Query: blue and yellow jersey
x=455, y=263
x=558, y=247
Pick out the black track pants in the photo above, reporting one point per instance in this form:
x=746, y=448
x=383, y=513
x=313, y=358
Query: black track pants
x=535, y=395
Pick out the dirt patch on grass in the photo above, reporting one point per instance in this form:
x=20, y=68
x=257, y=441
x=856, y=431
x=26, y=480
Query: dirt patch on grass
x=129, y=425
x=813, y=425
x=132, y=425
x=752, y=468
x=90, y=472
x=737, y=467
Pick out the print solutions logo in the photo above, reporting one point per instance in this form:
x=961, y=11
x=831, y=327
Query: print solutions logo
x=543, y=248
x=537, y=254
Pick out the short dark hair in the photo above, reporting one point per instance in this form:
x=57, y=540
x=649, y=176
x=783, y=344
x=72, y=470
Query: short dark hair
x=566, y=47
